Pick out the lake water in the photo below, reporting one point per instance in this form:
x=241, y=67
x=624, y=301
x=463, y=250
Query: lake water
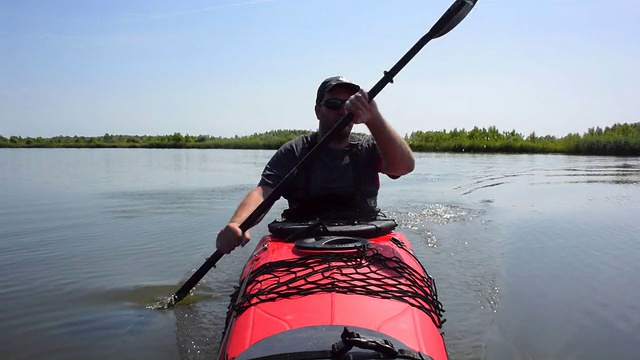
x=535, y=256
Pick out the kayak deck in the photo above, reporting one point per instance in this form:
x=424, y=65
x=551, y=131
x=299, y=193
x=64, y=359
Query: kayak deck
x=290, y=290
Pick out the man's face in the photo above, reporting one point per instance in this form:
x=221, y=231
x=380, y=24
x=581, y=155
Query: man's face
x=328, y=116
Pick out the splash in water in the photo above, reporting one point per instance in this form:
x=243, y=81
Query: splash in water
x=167, y=303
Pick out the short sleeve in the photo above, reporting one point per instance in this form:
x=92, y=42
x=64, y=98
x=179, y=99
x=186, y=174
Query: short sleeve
x=281, y=163
x=372, y=152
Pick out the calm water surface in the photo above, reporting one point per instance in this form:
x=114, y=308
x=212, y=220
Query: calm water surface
x=535, y=256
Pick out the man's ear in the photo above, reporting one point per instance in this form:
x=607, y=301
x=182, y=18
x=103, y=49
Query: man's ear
x=317, y=110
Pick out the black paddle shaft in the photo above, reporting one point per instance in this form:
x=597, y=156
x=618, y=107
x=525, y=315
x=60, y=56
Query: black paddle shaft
x=450, y=19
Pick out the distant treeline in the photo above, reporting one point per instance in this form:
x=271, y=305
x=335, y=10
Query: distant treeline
x=619, y=139
x=269, y=140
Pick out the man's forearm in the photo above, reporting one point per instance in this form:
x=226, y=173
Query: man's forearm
x=250, y=203
x=396, y=154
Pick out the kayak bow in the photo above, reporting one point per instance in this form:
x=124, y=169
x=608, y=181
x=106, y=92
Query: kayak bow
x=331, y=291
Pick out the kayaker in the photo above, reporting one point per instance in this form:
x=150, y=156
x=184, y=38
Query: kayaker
x=341, y=179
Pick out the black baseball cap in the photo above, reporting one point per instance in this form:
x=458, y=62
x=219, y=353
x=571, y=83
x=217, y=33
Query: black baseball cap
x=329, y=83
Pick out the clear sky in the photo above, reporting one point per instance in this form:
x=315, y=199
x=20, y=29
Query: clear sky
x=237, y=67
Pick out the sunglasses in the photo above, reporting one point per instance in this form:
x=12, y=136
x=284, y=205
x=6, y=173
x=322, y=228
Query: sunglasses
x=333, y=104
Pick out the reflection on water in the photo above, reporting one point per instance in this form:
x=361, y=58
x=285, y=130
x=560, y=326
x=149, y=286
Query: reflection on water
x=146, y=296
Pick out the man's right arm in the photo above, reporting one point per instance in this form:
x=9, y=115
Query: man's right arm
x=280, y=164
x=231, y=236
x=250, y=203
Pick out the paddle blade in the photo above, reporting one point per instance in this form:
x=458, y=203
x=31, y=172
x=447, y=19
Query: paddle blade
x=186, y=288
x=452, y=17
x=167, y=303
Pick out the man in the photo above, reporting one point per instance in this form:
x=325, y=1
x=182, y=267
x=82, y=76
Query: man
x=343, y=177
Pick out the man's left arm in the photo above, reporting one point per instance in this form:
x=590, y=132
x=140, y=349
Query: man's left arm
x=397, y=157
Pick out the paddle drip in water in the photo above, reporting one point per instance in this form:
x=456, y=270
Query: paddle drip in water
x=192, y=297
x=172, y=301
x=167, y=303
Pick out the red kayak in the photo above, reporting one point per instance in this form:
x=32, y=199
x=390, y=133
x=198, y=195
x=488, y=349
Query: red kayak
x=334, y=291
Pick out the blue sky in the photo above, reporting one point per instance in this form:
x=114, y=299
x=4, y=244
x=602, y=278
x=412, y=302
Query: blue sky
x=236, y=67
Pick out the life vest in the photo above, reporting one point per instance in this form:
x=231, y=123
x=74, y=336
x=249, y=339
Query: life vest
x=359, y=204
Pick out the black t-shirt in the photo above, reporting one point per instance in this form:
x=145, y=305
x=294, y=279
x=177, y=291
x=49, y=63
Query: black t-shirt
x=345, y=178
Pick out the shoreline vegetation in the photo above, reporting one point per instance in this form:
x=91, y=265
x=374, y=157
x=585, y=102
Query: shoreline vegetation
x=617, y=140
